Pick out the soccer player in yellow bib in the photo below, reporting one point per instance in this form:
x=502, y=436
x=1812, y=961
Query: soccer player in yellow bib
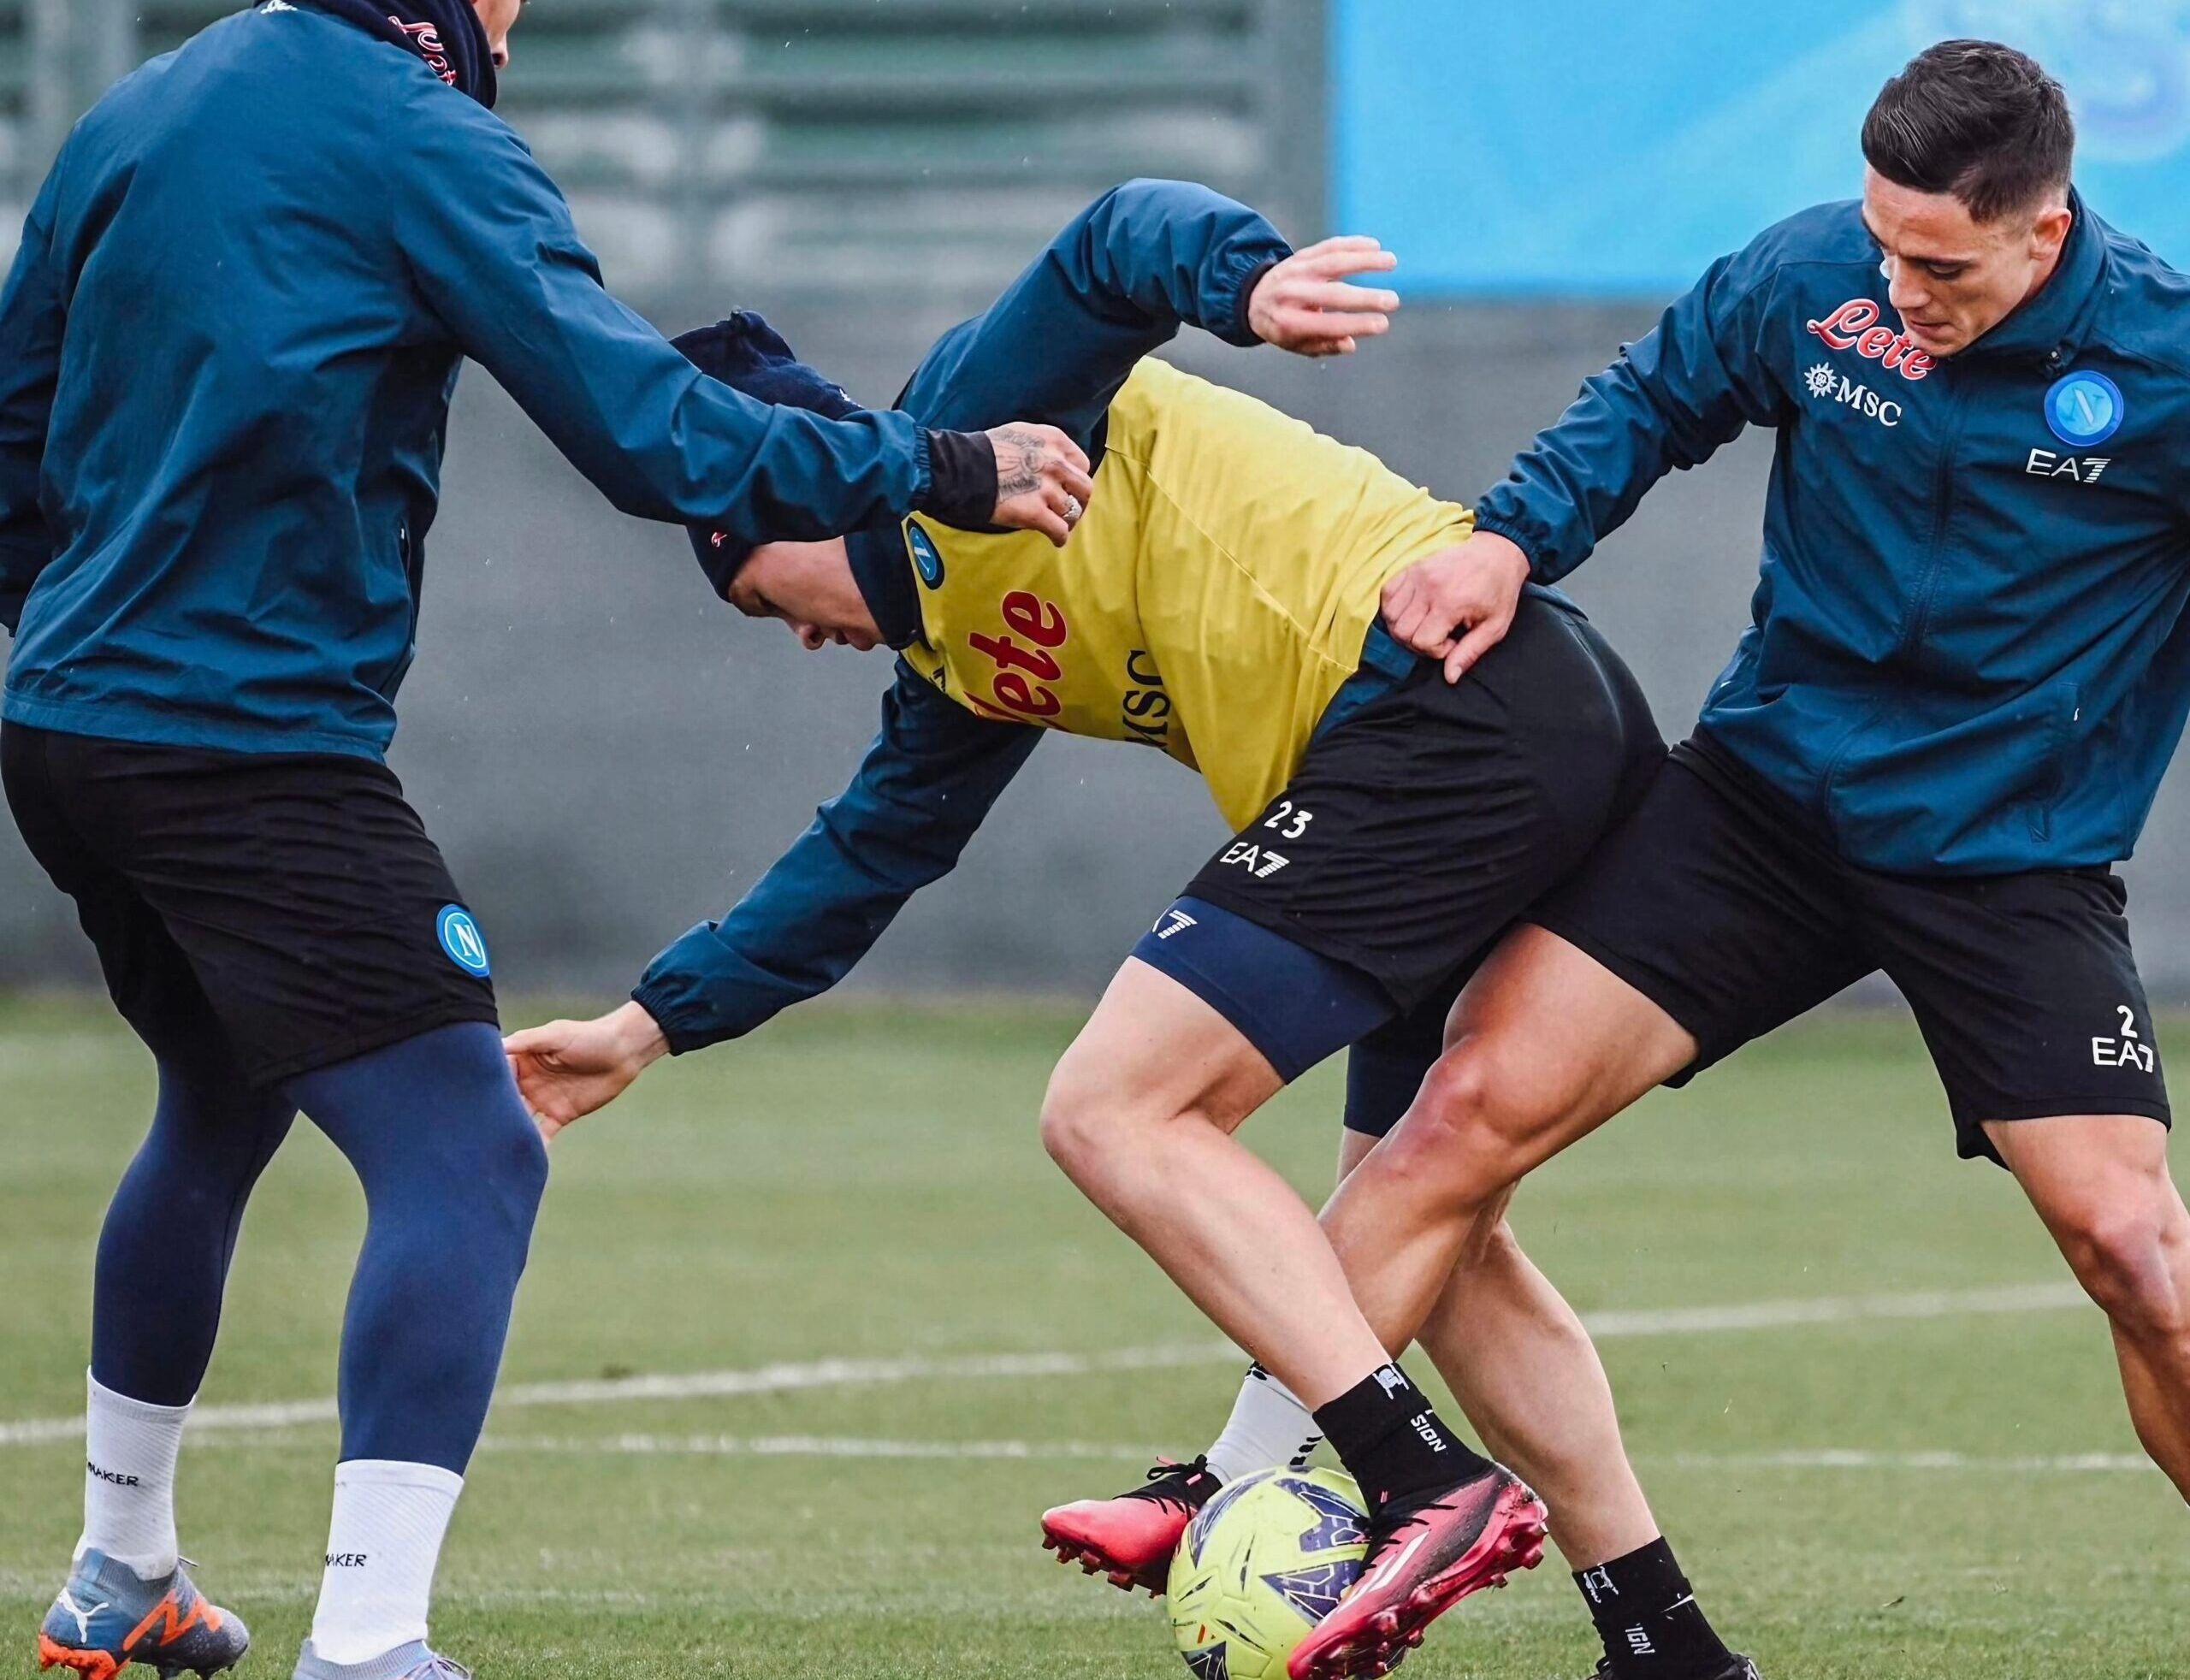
x=1220, y=602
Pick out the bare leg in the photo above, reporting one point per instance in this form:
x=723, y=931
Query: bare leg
x=1544, y=1046
x=2101, y=1185
x=1141, y=1114
x=1526, y=1374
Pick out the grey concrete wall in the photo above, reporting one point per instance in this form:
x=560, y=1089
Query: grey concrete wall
x=607, y=755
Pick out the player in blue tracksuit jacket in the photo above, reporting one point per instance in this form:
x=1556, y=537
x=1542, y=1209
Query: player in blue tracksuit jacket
x=1966, y=669
x=227, y=350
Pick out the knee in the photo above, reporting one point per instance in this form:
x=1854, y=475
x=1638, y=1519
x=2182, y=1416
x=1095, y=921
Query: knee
x=1457, y=1141
x=2129, y=1256
x=1074, y=1131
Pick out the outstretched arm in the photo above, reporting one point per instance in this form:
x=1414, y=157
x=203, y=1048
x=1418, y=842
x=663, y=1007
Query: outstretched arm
x=1141, y=262
x=924, y=789
x=490, y=242
x=31, y=325
x=1671, y=400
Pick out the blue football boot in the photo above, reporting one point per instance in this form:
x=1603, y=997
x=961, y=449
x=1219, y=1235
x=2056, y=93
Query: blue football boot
x=108, y=1618
x=414, y=1661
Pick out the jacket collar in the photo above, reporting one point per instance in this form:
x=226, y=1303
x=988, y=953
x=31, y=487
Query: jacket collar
x=446, y=34
x=882, y=568
x=2054, y=321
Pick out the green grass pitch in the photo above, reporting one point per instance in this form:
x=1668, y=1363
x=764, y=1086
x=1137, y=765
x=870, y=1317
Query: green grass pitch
x=1868, y=1496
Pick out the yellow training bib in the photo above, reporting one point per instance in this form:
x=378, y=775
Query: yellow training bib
x=1211, y=603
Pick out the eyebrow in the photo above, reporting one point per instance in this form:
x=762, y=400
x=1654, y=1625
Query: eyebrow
x=1928, y=261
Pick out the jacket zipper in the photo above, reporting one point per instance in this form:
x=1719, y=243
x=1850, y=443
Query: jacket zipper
x=1920, y=612
x=1920, y=620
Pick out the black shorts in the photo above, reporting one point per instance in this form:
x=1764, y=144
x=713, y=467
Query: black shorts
x=282, y=912
x=1718, y=902
x=1422, y=823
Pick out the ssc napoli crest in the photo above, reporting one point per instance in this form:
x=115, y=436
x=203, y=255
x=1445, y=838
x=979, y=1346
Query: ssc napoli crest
x=461, y=939
x=2084, y=410
x=928, y=560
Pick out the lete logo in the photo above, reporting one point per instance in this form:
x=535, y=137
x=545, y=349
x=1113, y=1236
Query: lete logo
x=1855, y=326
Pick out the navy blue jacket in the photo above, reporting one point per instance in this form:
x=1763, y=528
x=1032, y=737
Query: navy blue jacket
x=1966, y=653
x=227, y=351
x=1116, y=284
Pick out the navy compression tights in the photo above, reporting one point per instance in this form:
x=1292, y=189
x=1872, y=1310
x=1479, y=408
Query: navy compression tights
x=452, y=1172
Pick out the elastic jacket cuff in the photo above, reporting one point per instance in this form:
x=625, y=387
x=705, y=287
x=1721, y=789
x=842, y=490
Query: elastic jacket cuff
x=1242, y=334
x=1538, y=572
x=962, y=488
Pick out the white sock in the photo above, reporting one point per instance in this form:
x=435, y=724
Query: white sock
x=130, y=1447
x=1268, y=1428
x=382, y=1548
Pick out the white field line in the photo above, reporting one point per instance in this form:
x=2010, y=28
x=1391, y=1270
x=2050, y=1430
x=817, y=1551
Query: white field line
x=791, y=1378
x=642, y=1446
x=1843, y=1458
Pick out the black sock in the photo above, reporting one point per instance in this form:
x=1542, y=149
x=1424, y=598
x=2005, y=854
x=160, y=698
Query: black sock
x=1392, y=1441
x=1649, y=1618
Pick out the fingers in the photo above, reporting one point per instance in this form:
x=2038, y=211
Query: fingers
x=1475, y=644
x=1337, y=295
x=1074, y=456
x=1351, y=254
x=1043, y=512
x=1078, y=482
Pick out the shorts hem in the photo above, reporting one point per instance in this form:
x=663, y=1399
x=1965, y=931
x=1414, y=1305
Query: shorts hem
x=274, y=1072
x=1972, y=1144
x=2068, y=1108
x=1290, y=927
x=1652, y=986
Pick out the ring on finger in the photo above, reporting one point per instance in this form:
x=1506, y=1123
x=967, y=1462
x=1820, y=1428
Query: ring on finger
x=1073, y=510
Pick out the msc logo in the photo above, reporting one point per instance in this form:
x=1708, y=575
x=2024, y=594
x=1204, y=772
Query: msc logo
x=1259, y=860
x=2084, y=410
x=461, y=939
x=928, y=560
x=1828, y=382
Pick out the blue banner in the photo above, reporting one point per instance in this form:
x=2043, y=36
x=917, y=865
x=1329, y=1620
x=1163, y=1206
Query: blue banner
x=1592, y=147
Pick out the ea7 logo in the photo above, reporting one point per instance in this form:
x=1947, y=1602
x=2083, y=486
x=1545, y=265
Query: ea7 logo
x=2127, y=1050
x=2085, y=469
x=1174, y=922
x=1260, y=860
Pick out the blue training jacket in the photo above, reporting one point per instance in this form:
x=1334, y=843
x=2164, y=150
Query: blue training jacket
x=1117, y=283
x=227, y=351
x=1966, y=653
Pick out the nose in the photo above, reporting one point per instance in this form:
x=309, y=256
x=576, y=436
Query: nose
x=1903, y=291
x=811, y=637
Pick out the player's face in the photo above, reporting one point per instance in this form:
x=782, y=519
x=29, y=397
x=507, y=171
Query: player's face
x=1952, y=278
x=808, y=586
x=500, y=16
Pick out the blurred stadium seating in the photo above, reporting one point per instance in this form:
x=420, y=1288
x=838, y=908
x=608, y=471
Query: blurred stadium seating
x=710, y=143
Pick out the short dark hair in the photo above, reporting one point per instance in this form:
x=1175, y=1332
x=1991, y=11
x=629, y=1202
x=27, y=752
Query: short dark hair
x=1978, y=120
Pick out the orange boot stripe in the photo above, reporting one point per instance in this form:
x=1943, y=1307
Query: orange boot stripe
x=172, y=1625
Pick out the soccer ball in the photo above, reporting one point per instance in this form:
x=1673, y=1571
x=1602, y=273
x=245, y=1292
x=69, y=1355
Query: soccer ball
x=1260, y=1565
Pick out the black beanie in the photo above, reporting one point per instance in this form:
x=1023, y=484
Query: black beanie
x=446, y=33
x=750, y=356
